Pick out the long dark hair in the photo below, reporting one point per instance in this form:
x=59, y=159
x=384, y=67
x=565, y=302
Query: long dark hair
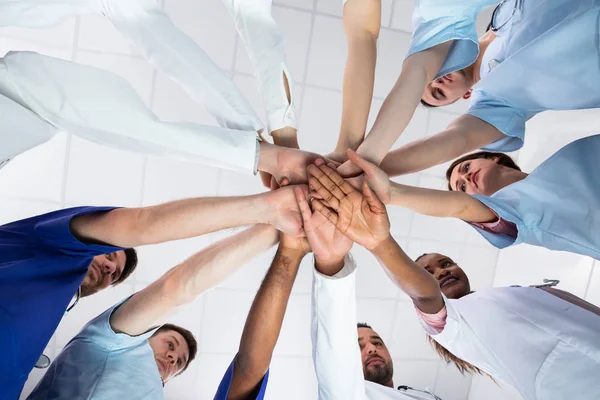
x=503, y=159
x=462, y=365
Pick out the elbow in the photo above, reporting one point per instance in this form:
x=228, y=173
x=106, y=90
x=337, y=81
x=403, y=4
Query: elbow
x=252, y=366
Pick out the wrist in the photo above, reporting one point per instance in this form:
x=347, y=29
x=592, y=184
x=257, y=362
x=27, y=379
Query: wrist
x=383, y=246
x=267, y=157
x=285, y=138
x=329, y=265
x=292, y=253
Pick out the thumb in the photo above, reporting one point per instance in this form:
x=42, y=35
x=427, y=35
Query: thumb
x=372, y=200
x=359, y=161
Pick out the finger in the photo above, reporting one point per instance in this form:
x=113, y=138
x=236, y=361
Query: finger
x=302, y=204
x=284, y=182
x=315, y=195
x=319, y=162
x=327, y=212
x=374, y=203
x=324, y=183
x=332, y=165
x=359, y=161
x=337, y=179
x=324, y=194
x=266, y=179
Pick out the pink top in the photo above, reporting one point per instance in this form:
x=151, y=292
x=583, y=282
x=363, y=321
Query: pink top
x=436, y=322
x=500, y=226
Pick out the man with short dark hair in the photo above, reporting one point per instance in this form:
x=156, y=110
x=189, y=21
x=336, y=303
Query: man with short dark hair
x=47, y=259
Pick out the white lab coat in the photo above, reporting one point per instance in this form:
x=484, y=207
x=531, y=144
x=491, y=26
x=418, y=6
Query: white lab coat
x=44, y=95
x=336, y=353
x=540, y=344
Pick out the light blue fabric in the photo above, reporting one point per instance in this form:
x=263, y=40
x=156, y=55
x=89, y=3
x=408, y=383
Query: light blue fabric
x=558, y=205
x=439, y=21
x=547, y=57
x=100, y=364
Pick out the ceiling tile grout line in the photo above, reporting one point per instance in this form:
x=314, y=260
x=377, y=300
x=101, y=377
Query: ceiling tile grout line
x=391, y=20
x=589, y=280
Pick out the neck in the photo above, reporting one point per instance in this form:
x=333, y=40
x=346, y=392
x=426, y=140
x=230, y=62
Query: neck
x=472, y=71
x=513, y=176
x=389, y=383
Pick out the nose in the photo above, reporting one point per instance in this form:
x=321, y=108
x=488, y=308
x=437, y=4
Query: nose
x=171, y=357
x=108, y=267
x=370, y=349
x=440, y=273
x=437, y=83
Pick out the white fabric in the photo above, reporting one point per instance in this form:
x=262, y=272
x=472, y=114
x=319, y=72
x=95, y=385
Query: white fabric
x=543, y=346
x=336, y=354
x=145, y=24
x=102, y=107
x=264, y=44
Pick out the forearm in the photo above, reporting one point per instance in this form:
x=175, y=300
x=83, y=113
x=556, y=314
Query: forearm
x=412, y=279
x=265, y=318
x=217, y=262
x=463, y=135
x=130, y=227
x=186, y=281
x=440, y=203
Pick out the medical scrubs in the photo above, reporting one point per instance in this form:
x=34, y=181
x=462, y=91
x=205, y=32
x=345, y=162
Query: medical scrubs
x=41, y=266
x=540, y=344
x=102, y=364
x=557, y=205
x=546, y=57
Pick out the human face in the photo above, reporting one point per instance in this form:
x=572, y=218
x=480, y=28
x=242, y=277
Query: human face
x=480, y=176
x=453, y=281
x=447, y=89
x=377, y=362
x=104, y=270
x=171, y=353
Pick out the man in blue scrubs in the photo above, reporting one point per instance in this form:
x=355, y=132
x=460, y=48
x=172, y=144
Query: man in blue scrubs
x=538, y=55
x=121, y=354
x=45, y=259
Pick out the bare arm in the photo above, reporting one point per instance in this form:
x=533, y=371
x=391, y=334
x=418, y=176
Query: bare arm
x=130, y=227
x=264, y=321
x=183, y=283
x=362, y=21
x=398, y=108
x=412, y=279
x=464, y=134
x=440, y=203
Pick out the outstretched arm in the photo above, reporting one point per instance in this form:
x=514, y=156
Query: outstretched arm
x=437, y=203
x=398, y=108
x=362, y=21
x=183, y=283
x=130, y=227
x=265, y=319
x=463, y=135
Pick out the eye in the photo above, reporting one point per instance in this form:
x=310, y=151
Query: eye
x=466, y=167
x=441, y=93
x=171, y=347
x=463, y=187
x=179, y=361
x=446, y=264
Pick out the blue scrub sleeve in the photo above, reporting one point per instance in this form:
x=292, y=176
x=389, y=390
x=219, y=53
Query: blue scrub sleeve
x=507, y=119
x=100, y=332
x=53, y=231
x=224, y=386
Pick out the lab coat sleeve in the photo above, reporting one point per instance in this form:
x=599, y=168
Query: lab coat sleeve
x=336, y=353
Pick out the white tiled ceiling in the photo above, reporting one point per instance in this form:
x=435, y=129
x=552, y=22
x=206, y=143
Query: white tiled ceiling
x=69, y=171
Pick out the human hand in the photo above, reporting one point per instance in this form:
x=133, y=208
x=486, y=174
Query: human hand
x=377, y=179
x=360, y=216
x=328, y=244
x=339, y=156
x=349, y=170
x=298, y=245
x=282, y=210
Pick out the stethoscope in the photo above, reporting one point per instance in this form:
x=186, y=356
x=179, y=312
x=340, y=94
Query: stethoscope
x=493, y=26
x=44, y=361
x=426, y=391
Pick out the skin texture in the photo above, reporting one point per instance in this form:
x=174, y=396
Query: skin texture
x=104, y=270
x=376, y=359
x=453, y=281
x=265, y=318
x=171, y=353
x=448, y=89
x=483, y=176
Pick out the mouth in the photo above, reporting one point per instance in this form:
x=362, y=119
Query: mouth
x=447, y=281
x=162, y=367
x=447, y=78
x=375, y=361
x=95, y=272
x=474, y=179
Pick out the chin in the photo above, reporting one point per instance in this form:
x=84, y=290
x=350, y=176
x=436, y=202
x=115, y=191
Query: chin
x=455, y=291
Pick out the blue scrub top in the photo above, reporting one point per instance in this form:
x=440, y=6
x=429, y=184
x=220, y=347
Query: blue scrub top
x=557, y=205
x=41, y=266
x=225, y=385
x=544, y=58
x=439, y=21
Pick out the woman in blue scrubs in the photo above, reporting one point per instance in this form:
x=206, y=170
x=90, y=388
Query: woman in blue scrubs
x=555, y=206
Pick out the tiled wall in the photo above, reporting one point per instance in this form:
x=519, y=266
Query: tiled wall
x=69, y=171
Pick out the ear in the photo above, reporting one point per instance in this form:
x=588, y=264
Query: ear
x=468, y=94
